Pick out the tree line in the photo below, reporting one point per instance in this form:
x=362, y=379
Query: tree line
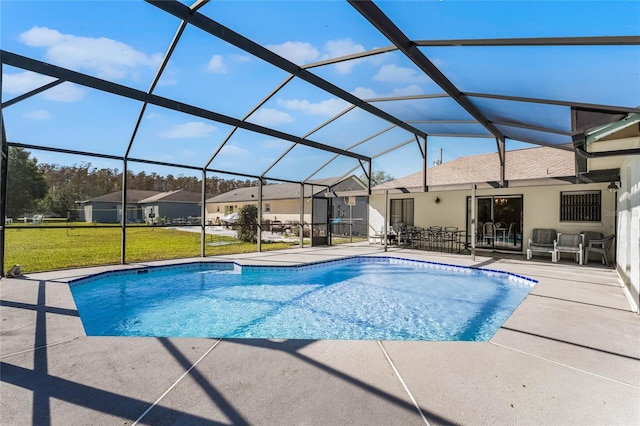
x=54, y=188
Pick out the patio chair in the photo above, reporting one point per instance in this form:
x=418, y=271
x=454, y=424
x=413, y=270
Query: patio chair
x=488, y=233
x=542, y=241
x=510, y=233
x=601, y=246
x=569, y=243
x=588, y=236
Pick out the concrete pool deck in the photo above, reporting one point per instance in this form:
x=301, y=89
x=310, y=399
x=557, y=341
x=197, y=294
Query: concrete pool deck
x=570, y=354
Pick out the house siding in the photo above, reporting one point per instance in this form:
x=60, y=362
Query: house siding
x=541, y=208
x=628, y=242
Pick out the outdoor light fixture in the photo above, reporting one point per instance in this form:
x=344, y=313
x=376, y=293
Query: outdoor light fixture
x=437, y=200
x=612, y=187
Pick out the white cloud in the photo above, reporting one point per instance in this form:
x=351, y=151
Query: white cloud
x=343, y=47
x=364, y=93
x=234, y=151
x=410, y=90
x=192, y=130
x=105, y=57
x=40, y=114
x=26, y=81
x=270, y=117
x=152, y=115
x=329, y=107
x=23, y=82
x=216, y=65
x=297, y=52
x=65, y=92
x=395, y=74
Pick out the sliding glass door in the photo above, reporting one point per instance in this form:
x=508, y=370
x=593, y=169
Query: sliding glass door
x=499, y=222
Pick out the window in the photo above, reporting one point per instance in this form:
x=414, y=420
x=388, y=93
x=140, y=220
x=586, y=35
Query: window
x=402, y=211
x=228, y=210
x=580, y=206
x=267, y=208
x=498, y=221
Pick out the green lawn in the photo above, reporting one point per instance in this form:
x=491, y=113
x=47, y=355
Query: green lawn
x=43, y=249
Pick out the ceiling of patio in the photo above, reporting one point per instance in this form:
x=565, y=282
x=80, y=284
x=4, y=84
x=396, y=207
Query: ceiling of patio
x=318, y=89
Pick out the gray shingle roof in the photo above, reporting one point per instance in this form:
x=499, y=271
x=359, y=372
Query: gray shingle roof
x=279, y=191
x=177, y=196
x=133, y=196
x=529, y=163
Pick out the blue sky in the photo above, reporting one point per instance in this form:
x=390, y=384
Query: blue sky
x=124, y=41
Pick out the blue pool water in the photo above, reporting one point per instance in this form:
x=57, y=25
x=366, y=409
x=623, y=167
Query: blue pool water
x=357, y=298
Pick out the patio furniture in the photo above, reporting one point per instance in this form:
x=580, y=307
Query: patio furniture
x=569, y=243
x=501, y=233
x=510, y=234
x=588, y=236
x=450, y=237
x=488, y=233
x=600, y=245
x=434, y=238
x=542, y=241
x=379, y=236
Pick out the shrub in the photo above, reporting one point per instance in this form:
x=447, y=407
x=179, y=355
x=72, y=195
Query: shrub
x=247, y=223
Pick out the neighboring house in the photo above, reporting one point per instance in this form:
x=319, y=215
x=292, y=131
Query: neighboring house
x=541, y=191
x=172, y=207
x=142, y=206
x=108, y=208
x=281, y=203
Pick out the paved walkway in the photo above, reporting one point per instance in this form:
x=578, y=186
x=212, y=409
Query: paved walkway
x=570, y=354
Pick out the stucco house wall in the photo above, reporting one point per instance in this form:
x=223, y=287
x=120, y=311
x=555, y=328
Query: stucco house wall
x=101, y=212
x=287, y=210
x=541, y=208
x=172, y=210
x=284, y=204
x=628, y=244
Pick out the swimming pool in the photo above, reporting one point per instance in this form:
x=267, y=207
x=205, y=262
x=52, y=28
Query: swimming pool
x=359, y=298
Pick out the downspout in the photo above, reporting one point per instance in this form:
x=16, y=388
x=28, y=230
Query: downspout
x=580, y=142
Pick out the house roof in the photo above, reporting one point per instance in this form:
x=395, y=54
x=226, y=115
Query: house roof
x=521, y=164
x=144, y=196
x=279, y=191
x=133, y=196
x=177, y=196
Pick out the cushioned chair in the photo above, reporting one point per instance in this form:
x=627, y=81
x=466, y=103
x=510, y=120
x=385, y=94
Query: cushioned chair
x=601, y=246
x=542, y=241
x=569, y=243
